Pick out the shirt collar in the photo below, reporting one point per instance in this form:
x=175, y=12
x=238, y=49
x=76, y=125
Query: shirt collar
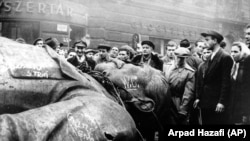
x=214, y=53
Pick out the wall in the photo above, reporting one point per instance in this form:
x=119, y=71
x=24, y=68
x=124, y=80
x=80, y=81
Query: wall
x=115, y=21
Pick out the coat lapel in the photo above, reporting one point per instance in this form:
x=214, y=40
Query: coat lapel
x=213, y=65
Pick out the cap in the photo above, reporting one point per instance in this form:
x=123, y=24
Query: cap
x=20, y=40
x=148, y=43
x=38, y=39
x=182, y=52
x=103, y=46
x=52, y=42
x=185, y=43
x=90, y=50
x=125, y=48
x=215, y=34
x=80, y=43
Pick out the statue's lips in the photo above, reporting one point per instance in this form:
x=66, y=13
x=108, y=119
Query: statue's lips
x=143, y=104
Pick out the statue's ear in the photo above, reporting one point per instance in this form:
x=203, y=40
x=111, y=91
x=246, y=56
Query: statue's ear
x=119, y=64
x=106, y=73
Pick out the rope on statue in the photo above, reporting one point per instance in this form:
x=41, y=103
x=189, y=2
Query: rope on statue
x=107, y=84
x=103, y=80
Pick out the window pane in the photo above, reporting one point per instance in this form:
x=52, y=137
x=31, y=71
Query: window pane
x=29, y=31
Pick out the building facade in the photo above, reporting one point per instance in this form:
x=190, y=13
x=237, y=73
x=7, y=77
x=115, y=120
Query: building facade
x=116, y=22
x=65, y=20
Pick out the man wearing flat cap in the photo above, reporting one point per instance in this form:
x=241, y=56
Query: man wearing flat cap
x=103, y=51
x=89, y=53
x=213, y=96
x=182, y=84
x=79, y=60
x=147, y=57
x=80, y=47
x=104, y=56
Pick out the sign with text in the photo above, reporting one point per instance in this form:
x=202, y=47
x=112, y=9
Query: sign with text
x=62, y=27
x=63, y=10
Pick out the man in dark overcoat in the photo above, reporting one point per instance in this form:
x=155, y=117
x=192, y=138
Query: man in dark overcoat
x=213, y=97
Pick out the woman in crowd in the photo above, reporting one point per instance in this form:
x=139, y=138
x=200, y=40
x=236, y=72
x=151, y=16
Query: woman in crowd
x=240, y=96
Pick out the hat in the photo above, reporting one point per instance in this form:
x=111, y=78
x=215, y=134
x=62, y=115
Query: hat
x=80, y=43
x=148, y=43
x=90, y=50
x=182, y=52
x=52, y=42
x=20, y=40
x=38, y=39
x=215, y=34
x=103, y=46
x=129, y=50
x=125, y=48
x=185, y=43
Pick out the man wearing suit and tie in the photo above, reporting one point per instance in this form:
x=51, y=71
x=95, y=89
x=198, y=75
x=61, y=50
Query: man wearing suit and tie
x=213, y=96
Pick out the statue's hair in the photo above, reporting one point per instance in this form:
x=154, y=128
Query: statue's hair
x=151, y=80
x=153, y=85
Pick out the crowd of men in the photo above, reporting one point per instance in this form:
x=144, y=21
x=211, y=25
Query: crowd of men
x=208, y=85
